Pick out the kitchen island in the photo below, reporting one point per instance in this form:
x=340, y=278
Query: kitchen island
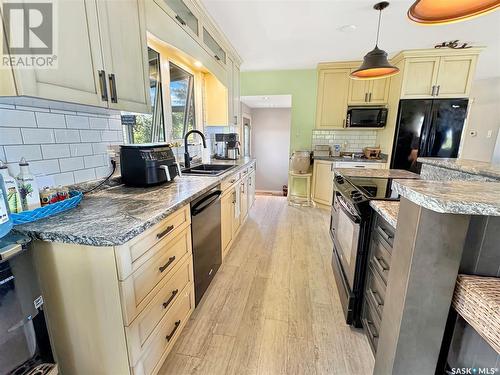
x=458, y=169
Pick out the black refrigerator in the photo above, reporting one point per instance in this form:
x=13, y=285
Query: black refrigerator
x=427, y=127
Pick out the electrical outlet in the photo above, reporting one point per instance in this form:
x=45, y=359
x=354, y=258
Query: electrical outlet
x=489, y=134
x=473, y=133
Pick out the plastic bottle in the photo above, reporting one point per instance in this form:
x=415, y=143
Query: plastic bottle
x=5, y=220
x=28, y=187
x=10, y=184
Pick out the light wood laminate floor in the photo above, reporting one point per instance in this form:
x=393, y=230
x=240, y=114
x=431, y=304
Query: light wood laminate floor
x=273, y=306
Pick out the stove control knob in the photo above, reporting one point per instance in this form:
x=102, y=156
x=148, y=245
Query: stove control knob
x=339, y=179
x=355, y=194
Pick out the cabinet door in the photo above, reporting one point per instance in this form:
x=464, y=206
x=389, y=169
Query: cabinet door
x=455, y=76
x=236, y=95
x=79, y=59
x=323, y=182
x=236, y=210
x=333, y=87
x=251, y=190
x=358, y=91
x=226, y=219
x=244, y=198
x=124, y=46
x=378, y=91
x=230, y=89
x=419, y=77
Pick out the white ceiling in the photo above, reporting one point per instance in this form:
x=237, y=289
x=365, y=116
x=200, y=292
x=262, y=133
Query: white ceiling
x=296, y=34
x=271, y=101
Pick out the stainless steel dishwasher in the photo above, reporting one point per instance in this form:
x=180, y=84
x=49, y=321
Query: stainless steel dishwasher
x=206, y=236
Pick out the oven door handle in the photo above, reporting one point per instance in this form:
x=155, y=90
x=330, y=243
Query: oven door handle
x=353, y=218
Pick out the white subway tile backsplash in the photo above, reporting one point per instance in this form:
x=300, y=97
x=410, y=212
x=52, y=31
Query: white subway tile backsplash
x=17, y=119
x=44, y=167
x=50, y=120
x=38, y=136
x=98, y=123
x=100, y=148
x=77, y=122
x=110, y=135
x=64, y=179
x=90, y=135
x=10, y=136
x=102, y=172
x=351, y=140
x=93, y=161
x=71, y=164
x=67, y=136
x=80, y=149
x=29, y=152
x=55, y=151
x=2, y=154
x=84, y=175
x=115, y=124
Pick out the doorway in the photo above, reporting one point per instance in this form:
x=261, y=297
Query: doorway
x=266, y=136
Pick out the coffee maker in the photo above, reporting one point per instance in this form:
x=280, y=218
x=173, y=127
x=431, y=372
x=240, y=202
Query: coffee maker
x=227, y=146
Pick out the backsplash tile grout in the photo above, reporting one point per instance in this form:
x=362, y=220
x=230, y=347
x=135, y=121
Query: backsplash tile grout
x=350, y=140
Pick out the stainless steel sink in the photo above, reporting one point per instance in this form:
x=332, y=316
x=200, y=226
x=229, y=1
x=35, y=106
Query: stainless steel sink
x=207, y=169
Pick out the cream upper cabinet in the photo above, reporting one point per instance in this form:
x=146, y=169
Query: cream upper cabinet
x=363, y=92
x=101, y=58
x=455, y=76
x=79, y=60
x=333, y=88
x=236, y=94
x=123, y=35
x=447, y=76
x=322, y=190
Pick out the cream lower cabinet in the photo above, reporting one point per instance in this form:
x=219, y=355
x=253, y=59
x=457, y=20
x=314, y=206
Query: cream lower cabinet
x=100, y=57
x=322, y=183
x=118, y=310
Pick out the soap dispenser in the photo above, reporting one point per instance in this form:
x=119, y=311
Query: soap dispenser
x=10, y=184
x=28, y=187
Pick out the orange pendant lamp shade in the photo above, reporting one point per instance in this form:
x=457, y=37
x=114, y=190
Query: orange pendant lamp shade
x=435, y=12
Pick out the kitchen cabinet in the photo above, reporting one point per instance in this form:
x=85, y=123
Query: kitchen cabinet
x=369, y=92
x=236, y=217
x=447, y=76
x=251, y=189
x=333, y=88
x=110, y=68
x=119, y=309
x=214, y=47
x=227, y=213
x=184, y=15
x=217, y=98
x=322, y=183
x=244, y=197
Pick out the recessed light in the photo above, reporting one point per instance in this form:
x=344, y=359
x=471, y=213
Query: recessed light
x=348, y=28
x=198, y=64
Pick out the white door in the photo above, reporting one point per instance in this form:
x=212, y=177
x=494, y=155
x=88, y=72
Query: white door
x=79, y=59
x=124, y=42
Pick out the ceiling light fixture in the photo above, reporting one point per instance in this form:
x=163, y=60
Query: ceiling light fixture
x=436, y=12
x=198, y=64
x=375, y=64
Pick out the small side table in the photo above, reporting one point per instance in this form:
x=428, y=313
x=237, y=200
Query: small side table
x=299, y=198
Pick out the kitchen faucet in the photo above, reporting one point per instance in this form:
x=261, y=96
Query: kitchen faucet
x=187, y=159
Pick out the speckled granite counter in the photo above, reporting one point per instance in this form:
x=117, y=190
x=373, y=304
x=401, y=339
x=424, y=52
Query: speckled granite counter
x=454, y=197
x=458, y=169
x=378, y=173
x=117, y=214
x=387, y=209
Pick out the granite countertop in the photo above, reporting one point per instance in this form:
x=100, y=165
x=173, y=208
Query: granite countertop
x=351, y=160
x=377, y=173
x=454, y=197
x=115, y=215
x=387, y=209
x=465, y=165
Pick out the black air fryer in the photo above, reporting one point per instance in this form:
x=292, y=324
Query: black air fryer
x=147, y=164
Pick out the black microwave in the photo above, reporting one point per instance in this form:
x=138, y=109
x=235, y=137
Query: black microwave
x=366, y=117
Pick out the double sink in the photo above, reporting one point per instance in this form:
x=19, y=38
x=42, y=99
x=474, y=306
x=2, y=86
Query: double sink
x=211, y=170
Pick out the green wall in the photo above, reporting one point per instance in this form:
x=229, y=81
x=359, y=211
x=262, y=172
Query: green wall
x=302, y=85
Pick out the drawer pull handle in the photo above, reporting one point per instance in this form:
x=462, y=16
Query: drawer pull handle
x=382, y=264
x=374, y=295
x=232, y=181
x=385, y=234
x=167, y=302
x=177, y=324
x=169, y=229
x=370, y=332
x=165, y=266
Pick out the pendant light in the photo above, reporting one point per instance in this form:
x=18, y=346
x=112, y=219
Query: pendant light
x=435, y=12
x=375, y=64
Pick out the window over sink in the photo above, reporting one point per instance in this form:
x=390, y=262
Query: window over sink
x=181, y=101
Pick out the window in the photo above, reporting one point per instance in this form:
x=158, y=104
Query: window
x=148, y=128
x=182, y=101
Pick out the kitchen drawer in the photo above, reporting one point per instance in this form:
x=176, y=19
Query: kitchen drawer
x=251, y=168
x=375, y=291
x=132, y=255
x=230, y=181
x=139, y=331
x=371, y=325
x=386, y=231
x=381, y=257
x=165, y=334
x=351, y=164
x=140, y=287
